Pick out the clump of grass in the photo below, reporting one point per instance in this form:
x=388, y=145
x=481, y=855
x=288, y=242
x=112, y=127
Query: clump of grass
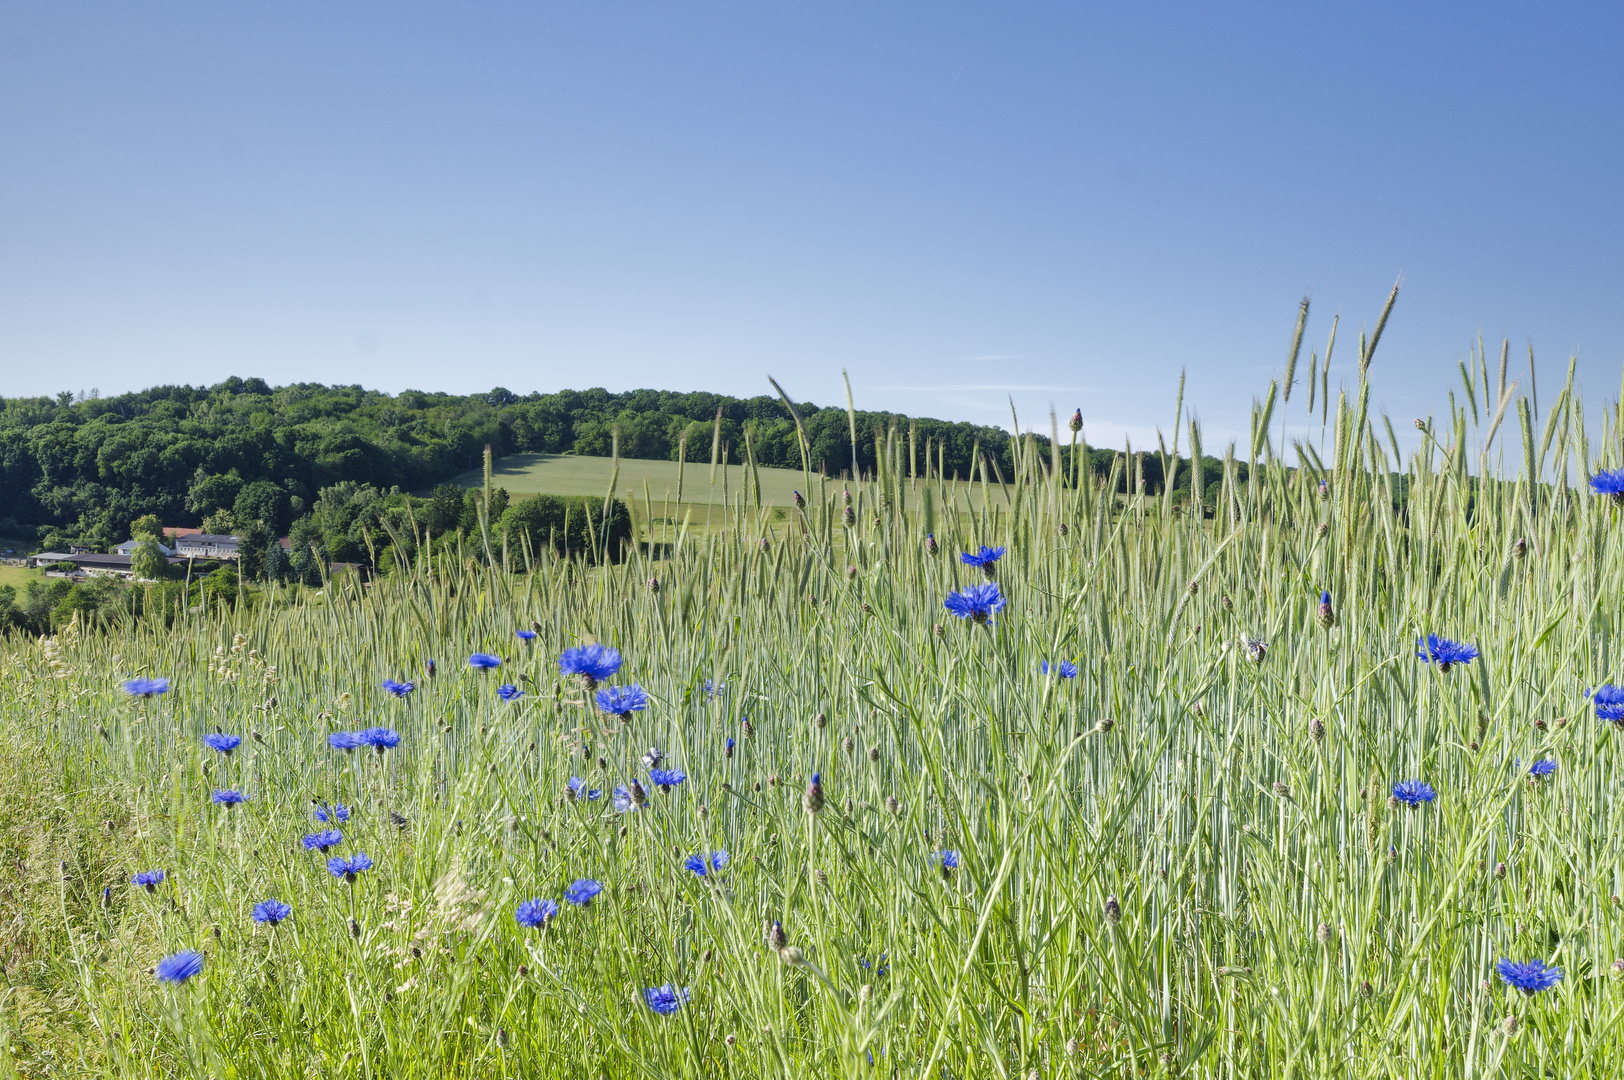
x=1138, y=820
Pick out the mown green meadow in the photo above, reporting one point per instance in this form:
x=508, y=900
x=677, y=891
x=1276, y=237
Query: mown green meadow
x=1182, y=862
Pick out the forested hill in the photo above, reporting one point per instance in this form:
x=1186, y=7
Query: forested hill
x=83, y=468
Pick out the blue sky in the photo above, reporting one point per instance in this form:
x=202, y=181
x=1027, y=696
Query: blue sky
x=957, y=203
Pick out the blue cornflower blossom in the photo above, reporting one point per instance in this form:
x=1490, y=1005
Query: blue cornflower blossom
x=324, y=813
x=323, y=840
x=148, y=879
x=345, y=740
x=380, y=738
x=629, y=799
x=399, y=689
x=1609, y=702
x=986, y=558
x=146, y=687
x=949, y=861
x=698, y=864
x=271, y=911
x=348, y=868
x=666, y=999
x=622, y=701
x=727, y=748
x=484, y=661
x=534, y=913
x=1445, y=653
x=525, y=635
x=1609, y=482
x=712, y=689
x=1066, y=669
x=666, y=779
x=1414, y=792
x=179, y=967
x=593, y=663
x=812, y=797
x=1544, y=767
x=509, y=692
x=579, y=790
x=582, y=891
x=880, y=967
x=978, y=602
x=1530, y=976
x=223, y=743
x=228, y=796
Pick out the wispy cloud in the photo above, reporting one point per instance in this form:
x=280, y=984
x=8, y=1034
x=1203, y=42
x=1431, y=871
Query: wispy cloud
x=981, y=387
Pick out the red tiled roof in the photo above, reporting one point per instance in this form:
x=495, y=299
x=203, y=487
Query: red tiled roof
x=171, y=530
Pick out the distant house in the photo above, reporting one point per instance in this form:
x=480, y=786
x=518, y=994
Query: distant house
x=128, y=548
x=207, y=546
x=114, y=565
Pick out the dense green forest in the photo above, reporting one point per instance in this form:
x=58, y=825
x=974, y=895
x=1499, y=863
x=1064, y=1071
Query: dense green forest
x=81, y=469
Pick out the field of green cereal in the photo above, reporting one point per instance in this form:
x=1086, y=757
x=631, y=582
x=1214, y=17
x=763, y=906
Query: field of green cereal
x=1183, y=861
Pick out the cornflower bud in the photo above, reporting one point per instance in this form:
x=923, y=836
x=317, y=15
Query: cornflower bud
x=1113, y=910
x=813, y=799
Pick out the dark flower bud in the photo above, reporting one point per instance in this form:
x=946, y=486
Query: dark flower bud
x=355, y=929
x=1508, y=1027
x=1113, y=910
x=733, y=1039
x=892, y=806
x=849, y=517
x=851, y=573
x=1324, y=933
x=820, y=721
x=1539, y=724
x=845, y=496
x=1064, y=529
x=428, y=668
x=800, y=501
x=1324, y=528
x=1365, y=989
x=635, y=790
x=1229, y=605
x=1327, y=617
x=848, y=745
x=874, y=753
x=1104, y=724
x=746, y=728
x=654, y=585
x=1076, y=421
x=930, y=544
x=1499, y=871
x=1519, y=549
x=1316, y=729
x=1282, y=789
x=777, y=940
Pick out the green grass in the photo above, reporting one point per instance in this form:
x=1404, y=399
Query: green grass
x=1181, y=862
x=17, y=576
x=567, y=474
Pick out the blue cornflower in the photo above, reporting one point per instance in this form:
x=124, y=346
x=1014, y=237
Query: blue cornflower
x=348, y=868
x=271, y=911
x=812, y=798
x=727, y=748
x=986, y=558
x=223, y=743
x=380, y=738
x=484, y=661
x=1066, y=669
x=337, y=812
x=1326, y=613
x=399, y=689
x=525, y=635
x=228, y=796
x=1530, y=976
x=580, y=791
x=509, y=692
x=593, y=663
x=1544, y=767
x=1609, y=701
x=179, y=967
x=146, y=687
x=1414, y=792
x=582, y=891
x=323, y=840
x=712, y=689
x=345, y=740
x=666, y=779
x=534, y=913
x=1445, y=653
x=1609, y=482
x=698, y=865
x=666, y=999
x=978, y=602
x=622, y=701
x=629, y=799
x=148, y=879
x=880, y=966
x=949, y=860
